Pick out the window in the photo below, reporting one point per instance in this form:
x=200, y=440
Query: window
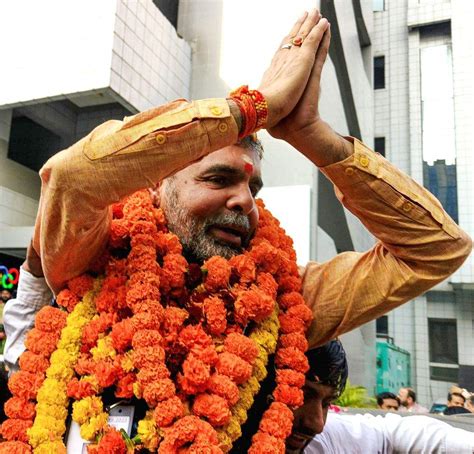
x=381, y=325
x=379, y=72
x=438, y=129
x=31, y=144
x=449, y=374
x=443, y=335
x=379, y=145
x=170, y=10
x=443, y=338
x=378, y=5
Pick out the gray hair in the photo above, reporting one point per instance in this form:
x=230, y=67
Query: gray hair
x=253, y=143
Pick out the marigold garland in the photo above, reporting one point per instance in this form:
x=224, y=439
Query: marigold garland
x=25, y=384
x=192, y=342
x=49, y=425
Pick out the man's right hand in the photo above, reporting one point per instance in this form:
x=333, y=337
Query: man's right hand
x=285, y=80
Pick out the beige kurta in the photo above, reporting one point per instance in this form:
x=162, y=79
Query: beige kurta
x=418, y=244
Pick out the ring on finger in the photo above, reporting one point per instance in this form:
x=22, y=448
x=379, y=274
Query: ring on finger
x=297, y=41
x=286, y=46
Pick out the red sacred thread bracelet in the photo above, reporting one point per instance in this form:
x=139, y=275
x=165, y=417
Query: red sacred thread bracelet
x=253, y=108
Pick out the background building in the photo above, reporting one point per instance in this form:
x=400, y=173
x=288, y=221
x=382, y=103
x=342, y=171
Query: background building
x=423, y=86
x=74, y=66
x=65, y=78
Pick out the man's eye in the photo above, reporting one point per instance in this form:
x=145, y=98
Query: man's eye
x=217, y=180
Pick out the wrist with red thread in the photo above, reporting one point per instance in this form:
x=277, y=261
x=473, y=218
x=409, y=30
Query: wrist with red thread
x=253, y=109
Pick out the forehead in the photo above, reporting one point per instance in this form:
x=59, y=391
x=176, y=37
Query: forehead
x=235, y=156
x=320, y=390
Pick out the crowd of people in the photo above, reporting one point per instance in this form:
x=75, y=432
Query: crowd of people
x=202, y=164
x=458, y=401
x=404, y=426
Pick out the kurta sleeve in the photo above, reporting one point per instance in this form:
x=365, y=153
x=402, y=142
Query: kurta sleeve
x=117, y=158
x=418, y=246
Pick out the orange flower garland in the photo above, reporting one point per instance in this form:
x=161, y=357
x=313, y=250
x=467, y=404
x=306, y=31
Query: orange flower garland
x=25, y=384
x=192, y=343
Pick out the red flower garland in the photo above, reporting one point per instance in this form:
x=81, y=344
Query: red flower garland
x=24, y=385
x=174, y=336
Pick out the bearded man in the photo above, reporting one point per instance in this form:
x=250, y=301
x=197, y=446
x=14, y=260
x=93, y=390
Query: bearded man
x=208, y=177
x=209, y=182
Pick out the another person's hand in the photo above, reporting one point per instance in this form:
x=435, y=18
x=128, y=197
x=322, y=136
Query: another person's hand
x=285, y=80
x=32, y=264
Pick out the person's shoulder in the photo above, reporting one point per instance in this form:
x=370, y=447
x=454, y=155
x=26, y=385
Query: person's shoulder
x=360, y=420
x=455, y=411
x=420, y=409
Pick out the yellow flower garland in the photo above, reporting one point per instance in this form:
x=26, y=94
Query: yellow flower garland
x=49, y=426
x=148, y=432
x=89, y=414
x=46, y=434
x=265, y=336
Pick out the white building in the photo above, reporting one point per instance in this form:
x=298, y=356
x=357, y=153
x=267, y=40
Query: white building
x=423, y=55
x=74, y=66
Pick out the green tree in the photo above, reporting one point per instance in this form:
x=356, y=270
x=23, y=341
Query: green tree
x=356, y=397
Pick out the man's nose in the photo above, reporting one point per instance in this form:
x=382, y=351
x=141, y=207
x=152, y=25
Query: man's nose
x=241, y=200
x=314, y=421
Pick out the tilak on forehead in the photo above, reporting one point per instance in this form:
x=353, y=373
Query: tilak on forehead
x=248, y=164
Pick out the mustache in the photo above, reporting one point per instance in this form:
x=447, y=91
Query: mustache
x=231, y=219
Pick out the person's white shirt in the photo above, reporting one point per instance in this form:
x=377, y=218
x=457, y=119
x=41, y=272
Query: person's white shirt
x=19, y=314
x=392, y=433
